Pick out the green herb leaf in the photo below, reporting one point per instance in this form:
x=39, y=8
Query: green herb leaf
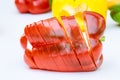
x=102, y=39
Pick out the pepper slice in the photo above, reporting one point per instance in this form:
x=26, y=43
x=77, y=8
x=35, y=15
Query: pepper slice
x=66, y=43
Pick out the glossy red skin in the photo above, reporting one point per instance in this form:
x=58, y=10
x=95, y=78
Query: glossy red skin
x=52, y=50
x=60, y=60
x=21, y=6
x=32, y=6
x=96, y=25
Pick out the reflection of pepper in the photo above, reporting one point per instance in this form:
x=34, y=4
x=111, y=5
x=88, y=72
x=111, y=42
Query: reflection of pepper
x=114, y=7
x=33, y=6
x=62, y=48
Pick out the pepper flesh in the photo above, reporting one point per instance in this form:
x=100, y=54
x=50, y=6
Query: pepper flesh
x=51, y=49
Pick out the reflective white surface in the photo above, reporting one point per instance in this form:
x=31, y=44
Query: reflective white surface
x=12, y=66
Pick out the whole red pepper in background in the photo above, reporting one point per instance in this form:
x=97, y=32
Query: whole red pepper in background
x=59, y=48
x=33, y=6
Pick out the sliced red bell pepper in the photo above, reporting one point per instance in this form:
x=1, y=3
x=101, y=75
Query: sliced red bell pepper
x=32, y=6
x=62, y=47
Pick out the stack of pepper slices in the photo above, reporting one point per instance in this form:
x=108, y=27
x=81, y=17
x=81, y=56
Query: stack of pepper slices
x=61, y=44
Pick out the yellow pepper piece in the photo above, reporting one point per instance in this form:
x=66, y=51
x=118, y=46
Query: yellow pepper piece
x=64, y=7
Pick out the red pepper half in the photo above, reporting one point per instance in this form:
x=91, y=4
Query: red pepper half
x=55, y=49
x=32, y=6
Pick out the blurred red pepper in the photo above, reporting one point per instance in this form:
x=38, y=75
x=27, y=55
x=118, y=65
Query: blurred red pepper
x=33, y=6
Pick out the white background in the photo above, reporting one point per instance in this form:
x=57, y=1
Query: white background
x=12, y=66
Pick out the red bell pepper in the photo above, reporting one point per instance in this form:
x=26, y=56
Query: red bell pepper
x=32, y=6
x=55, y=49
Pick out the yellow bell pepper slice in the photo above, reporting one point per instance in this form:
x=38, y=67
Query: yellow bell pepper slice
x=64, y=7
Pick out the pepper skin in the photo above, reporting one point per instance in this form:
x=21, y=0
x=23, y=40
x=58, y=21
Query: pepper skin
x=32, y=6
x=57, y=49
